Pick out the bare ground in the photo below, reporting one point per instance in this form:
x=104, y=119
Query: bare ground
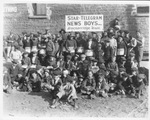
x=20, y=104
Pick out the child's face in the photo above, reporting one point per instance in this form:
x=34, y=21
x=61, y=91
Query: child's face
x=26, y=55
x=124, y=78
x=56, y=77
x=90, y=74
x=133, y=72
x=100, y=79
x=34, y=75
x=107, y=43
x=34, y=55
x=113, y=59
x=95, y=63
x=47, y=74
x=80, y=79
x=74, y=74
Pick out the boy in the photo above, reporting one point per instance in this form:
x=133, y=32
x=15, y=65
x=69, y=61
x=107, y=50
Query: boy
x=88, y=86
x=68, y=91
x=138, y=85
x=102, y=87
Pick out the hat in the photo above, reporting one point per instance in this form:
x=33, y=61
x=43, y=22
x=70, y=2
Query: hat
x=62, y=30
x=134, y=69
x=101, y=60
x=102, y=67
x=99, y=45
x=95, y=60
x=34, y=52
x=35, y=35
x=24, y=32
x=107, y=40
x=122, y=69
x=25, y=53
x=123, y=59
x=28, y=35
x=39, y=32
x=69, y=56
x=57, y=72
x=38, y=67
x=83, y=55
x=60, y=57
x=16, y=46
x=90, y=36
x=69, y=79
x=141, y=76
x=126, y=32
x=76, y=55
x=80, y=76
x=131, y=54
x=15, y=61
x=125, y=75
x=49, y=53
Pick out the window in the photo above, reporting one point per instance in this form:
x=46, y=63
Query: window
x=140, y=10
x=38, y=10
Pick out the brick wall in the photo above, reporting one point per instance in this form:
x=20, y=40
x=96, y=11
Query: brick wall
x=19, y=21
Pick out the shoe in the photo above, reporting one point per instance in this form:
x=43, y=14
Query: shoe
x=53, y=106
x=92, y=96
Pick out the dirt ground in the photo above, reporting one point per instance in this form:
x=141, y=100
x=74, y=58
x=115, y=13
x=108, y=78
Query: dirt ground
x=37, y=105
x=20, y=104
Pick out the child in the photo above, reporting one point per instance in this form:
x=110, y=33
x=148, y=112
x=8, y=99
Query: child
x=125, y=84
x=113, y=66
x=88, y=86
x=79, y=83
x=102, y=87
x=68, y=91
x=94, y=68
x=138, y=85
x=34, y=83
x=7, y=86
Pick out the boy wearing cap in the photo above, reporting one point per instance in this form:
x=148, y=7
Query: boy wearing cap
x=7, y=85
x=27, y=43
x=71, y=44
x=108, y=52
x=34, y=58
x=50, y=47
x=16, y=54
x=131, y=62
x=15, y=70
x=10, y=39
x=113, y=43
x=34, y=43
x=138, y=85
x=125, y=84
x=68, y=64
x=102, y=87
x=121, y=48
x=88, y=86
x=112, y=66
x=34, y=81
x=139, y=48
x=67, y=90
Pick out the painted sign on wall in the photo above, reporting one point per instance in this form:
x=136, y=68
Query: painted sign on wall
x=84, y=23
x=10, y=9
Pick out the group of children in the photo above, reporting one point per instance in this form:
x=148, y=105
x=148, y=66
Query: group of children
x=69, y=63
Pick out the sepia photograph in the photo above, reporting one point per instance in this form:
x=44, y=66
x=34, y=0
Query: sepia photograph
x=75, y=59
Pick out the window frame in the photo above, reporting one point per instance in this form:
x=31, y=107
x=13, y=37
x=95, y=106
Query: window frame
x=38, y=16
x=142, y=14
